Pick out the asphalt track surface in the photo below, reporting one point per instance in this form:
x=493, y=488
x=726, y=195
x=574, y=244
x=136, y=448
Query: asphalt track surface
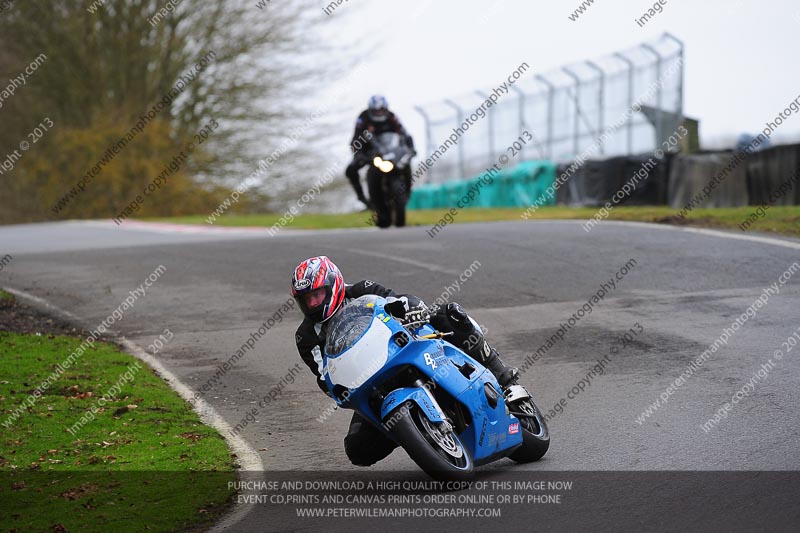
x=530, y=277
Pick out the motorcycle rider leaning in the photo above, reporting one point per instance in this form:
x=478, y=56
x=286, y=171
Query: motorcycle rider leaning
x=376, y=119
x=319, y=289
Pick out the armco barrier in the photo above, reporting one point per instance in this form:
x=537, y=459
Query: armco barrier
x=596, y=182
x=770, y=169
x=677, y=179
x=690, y=174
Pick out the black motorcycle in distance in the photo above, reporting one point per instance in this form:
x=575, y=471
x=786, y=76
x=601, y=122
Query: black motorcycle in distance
x=388, y=179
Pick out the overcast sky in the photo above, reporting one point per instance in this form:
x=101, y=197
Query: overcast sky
x=741, y=67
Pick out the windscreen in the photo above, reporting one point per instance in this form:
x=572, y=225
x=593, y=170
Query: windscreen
x=387, y=141
x=348, y=324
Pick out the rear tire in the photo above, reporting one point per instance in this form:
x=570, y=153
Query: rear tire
x=441, y=455
x=535, y=434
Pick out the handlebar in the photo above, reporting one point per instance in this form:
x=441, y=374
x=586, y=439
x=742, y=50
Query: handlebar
x=437, y=335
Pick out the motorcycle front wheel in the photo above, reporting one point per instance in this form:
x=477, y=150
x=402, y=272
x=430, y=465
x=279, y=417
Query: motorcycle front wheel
x=399, y=199
x=441, y=454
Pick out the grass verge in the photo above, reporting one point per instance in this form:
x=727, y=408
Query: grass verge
x=782, y=220
x=144, y=462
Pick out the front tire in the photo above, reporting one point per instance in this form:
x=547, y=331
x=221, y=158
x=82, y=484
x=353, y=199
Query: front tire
x=399, y=196
x=377, y=194
x=441, y=455
x=535, y=434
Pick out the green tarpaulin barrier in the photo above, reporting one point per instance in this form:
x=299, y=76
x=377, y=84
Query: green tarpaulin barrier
x=519, y=186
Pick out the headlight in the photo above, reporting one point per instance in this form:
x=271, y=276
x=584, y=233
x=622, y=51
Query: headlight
x=382, y=165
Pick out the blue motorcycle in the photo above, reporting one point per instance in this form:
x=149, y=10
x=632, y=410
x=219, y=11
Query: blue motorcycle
x=443, y=407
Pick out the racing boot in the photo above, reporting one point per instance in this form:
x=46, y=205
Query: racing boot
x=506, y=375
x=471, y=339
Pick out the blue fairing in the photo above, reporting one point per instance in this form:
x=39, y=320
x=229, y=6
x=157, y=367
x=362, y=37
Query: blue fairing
x=373, y=357
x=418, y=395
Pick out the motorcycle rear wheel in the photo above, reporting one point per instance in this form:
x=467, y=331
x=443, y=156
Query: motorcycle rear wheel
x=441, y=455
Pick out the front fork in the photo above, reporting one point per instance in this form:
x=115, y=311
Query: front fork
x=421, y=396
x=445, y=426
x=515, y=393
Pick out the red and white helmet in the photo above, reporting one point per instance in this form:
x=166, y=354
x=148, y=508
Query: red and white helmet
x=318, y=287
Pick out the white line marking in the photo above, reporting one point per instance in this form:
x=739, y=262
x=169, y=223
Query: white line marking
x=247, y=457
x=427, y=266
x=753, y=238
x=704, y=231
x=44, y=303
x=169, y=228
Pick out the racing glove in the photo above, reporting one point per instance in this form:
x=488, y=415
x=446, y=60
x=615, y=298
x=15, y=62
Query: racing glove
x=411, y=311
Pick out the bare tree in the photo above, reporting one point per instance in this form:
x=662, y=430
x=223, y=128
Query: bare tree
x=108, y=63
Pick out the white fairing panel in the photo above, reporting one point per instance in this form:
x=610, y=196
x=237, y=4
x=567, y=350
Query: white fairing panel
x=364, y=359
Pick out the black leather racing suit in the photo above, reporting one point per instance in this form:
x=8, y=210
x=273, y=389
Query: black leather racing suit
x=362, y=150
x=364, y=444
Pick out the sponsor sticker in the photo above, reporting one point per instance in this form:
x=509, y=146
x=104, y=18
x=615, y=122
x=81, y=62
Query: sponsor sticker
x=430, y=361
x=513, y=428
